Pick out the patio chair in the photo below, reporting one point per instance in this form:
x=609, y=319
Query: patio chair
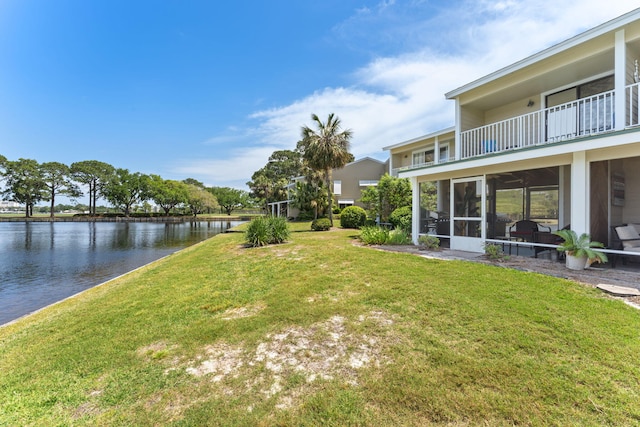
x=525, y=228
x=626, y=238
x=545, y=237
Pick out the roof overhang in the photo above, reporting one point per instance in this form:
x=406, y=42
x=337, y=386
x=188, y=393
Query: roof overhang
x=421, y=138
x=607, y=27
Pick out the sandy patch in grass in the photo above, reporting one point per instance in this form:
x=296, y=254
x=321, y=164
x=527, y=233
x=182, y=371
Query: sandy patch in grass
x=157, y=350
x=220, y=361
x=240, y=312
x=286, y=364
x=290, y=252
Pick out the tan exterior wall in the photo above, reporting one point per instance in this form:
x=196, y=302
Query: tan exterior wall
x=351, y=175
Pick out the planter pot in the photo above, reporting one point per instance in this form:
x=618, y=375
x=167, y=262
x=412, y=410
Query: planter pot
x=576, y=263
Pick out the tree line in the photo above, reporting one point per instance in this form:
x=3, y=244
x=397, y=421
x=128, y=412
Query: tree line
x=27, y=182
x=317, y=153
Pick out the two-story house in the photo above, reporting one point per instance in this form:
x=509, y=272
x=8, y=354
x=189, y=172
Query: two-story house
x=553, y=138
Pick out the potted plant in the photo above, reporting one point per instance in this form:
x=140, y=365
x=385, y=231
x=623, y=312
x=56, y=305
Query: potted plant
x=579, y=250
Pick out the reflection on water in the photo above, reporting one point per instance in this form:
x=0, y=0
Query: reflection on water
x=44, y=262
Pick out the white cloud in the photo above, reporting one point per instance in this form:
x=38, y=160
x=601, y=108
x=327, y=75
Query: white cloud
x=400, y=97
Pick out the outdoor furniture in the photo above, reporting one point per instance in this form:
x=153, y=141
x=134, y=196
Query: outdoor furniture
x=525, y=228
x=442, y=226
x=544, y=237
x=626, y=238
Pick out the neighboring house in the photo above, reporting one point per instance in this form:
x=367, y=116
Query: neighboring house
x=6, y=206
x=553, y=138
x=347, y=185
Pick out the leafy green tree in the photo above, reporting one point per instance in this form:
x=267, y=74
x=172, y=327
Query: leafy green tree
x=262, y=188
x=326, y=149
x=200, y=200
x=95, y=175
x=57, y=179
x=229, y=199
x=193, y=181
x=24, y=183
x=168, y=193
x=310, y=196
x=269, y=184
x=390, y=194
x=126, y=189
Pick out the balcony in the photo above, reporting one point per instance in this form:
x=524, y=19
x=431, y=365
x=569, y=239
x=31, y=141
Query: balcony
x=395, y=171
x=575, y=119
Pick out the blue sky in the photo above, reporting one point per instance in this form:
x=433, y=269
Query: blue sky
x=208, y=90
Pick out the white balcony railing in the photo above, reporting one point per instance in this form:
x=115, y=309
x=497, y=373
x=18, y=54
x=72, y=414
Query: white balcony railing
x=587, y=116
x=584, y=117
x=633, y=113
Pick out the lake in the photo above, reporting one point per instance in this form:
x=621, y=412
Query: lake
x=45, y=262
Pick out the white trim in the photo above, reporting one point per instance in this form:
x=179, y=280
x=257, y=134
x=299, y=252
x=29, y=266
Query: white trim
x=620, y=80
x=363, y=159
x=421, y=138
x=346, y=201
x=337, y=187
x=544, y=154
x=415, y=210
x=465, y=243
x=580, y=193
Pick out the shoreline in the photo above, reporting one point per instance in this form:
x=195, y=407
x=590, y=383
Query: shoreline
x=104, y=283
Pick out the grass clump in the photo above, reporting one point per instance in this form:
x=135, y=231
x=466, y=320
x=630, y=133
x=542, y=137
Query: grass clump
x=323, y=332
x=373, y=235
x=429, y=242
x=495, y=252
x=268, y=230
x=399, y=237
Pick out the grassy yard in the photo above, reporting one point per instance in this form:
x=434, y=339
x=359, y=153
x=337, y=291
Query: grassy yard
x=320, y=331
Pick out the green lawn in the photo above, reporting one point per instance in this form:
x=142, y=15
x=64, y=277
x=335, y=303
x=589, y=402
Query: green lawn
x=320, y=331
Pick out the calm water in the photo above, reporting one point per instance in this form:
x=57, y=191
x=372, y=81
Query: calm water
x=41, y=263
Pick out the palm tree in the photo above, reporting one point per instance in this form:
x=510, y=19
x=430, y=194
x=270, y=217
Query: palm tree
x=326, y=149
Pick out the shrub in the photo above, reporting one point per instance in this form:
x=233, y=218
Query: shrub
x=401, y=218
x=352, y=217
x=429, y=241
x=494, y=252
x=374, y=235
x=321, y=224
x=279, y=230
x=398, y=237
x=266, y=231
